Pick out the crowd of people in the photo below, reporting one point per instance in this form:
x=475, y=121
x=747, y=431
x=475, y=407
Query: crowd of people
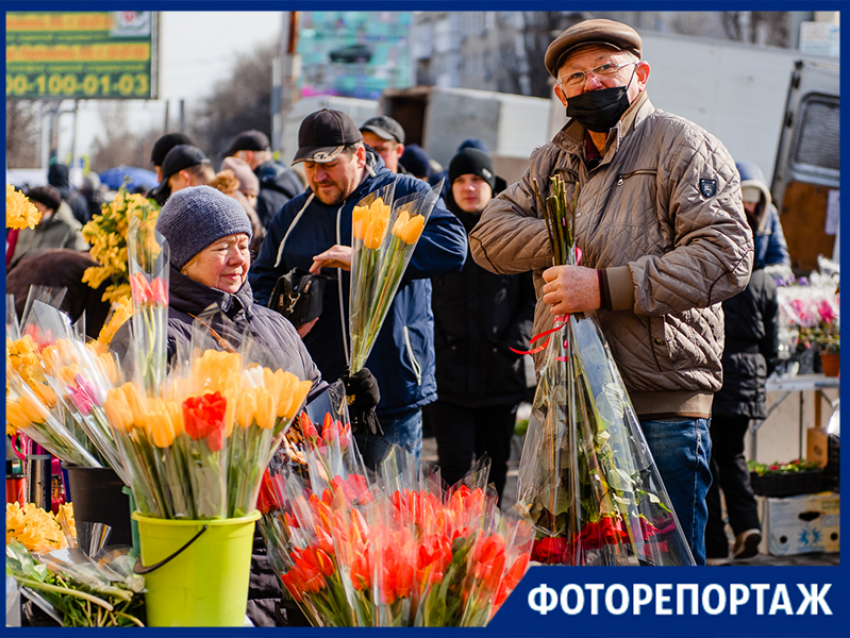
x=673, y=234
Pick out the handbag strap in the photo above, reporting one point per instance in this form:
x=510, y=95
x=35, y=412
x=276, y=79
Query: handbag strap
x=289, y=230
x=223, y=343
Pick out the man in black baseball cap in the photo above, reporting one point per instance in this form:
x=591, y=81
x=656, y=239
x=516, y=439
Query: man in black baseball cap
x=331, y=147
x=161, y=147
x=386, y=136
x=278, y=184
x=313, y=232
x=184, y=166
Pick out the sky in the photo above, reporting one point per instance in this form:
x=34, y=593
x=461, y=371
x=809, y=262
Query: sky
x=197, y=49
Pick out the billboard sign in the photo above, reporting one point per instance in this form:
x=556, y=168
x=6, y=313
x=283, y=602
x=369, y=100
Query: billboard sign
x=107, y=55
x=354, y=53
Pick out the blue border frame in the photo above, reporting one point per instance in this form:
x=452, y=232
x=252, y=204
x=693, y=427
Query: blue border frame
x=516, y=618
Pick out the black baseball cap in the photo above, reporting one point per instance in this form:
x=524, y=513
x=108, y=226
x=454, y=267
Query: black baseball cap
x=179, y=158
x=384, y=127
x=323, y=134
x=164, y=144
x=252, y=140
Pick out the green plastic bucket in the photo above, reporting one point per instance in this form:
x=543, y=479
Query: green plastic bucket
x=202, y=580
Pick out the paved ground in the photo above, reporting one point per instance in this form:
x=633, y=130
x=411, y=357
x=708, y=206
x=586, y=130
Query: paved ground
x=429, y=453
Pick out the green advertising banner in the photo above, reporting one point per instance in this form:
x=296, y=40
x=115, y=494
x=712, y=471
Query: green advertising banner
x=108, y=55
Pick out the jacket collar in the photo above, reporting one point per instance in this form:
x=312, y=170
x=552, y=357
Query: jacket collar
x=571, y=137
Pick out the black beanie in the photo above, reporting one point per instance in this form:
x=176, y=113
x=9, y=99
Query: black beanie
x=471, y=160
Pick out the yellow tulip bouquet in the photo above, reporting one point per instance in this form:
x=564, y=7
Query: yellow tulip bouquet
x=34, y=407
x=57, y=384
x=199, y=450
x=384, y=234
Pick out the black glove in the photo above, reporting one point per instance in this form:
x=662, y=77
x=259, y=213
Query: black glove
x=362, y=393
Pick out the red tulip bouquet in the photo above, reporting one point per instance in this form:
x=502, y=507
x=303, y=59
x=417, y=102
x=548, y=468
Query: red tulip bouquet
x=395, y=551
x=587, y=479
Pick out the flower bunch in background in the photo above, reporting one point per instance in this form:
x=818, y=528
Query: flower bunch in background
x=20, y=211
x=107, y=235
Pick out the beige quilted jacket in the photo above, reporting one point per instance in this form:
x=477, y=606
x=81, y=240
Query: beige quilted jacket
x=671, y=252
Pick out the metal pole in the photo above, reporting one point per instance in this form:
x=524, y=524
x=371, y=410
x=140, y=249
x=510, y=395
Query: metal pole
x=182, y=115
x=167, y=104
x=74, y=138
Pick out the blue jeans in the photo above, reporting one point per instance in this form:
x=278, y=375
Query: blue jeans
x=681, y=449
x=403, y=429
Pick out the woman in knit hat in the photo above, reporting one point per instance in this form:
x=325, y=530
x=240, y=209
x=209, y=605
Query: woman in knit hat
x=208, y=236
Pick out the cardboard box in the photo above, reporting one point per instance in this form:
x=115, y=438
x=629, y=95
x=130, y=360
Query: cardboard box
x=825, y=450
x=817, y=446
x=800, y=524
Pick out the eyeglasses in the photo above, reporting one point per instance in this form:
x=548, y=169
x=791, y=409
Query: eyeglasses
x=606, y=70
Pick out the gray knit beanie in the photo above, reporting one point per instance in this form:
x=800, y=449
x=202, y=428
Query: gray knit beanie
x=195, y=217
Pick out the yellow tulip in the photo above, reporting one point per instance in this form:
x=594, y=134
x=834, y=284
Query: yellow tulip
x=359, y=221
x=45, y=393
x=412, y=229
x=298, y=395
x=136, y=401
x=117, y=410
x=286, y=388
x=24, y=412
x=246, y=407
x=400, y=222
x=217, y=371
x=375, y=233
x=266, y=410
x=158, y=422
x=175, y=414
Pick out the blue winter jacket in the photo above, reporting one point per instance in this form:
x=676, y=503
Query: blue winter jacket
x=768, y=238
x=402, y=359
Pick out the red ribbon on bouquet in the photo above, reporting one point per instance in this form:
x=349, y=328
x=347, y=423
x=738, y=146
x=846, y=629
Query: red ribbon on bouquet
x=559, y=323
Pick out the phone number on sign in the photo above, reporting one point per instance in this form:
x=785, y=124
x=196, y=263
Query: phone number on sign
x=73, y=84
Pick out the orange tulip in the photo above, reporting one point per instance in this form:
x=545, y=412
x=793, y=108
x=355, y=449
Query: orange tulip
x=118, y=411
x=412, y=229
x=375, y=232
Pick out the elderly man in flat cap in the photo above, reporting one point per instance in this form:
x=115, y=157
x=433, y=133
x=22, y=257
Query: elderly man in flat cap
x=664, y=240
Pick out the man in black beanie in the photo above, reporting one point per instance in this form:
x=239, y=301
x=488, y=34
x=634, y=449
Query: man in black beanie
x=478, y=318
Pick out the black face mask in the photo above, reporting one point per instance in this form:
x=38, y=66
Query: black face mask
x=599, y=111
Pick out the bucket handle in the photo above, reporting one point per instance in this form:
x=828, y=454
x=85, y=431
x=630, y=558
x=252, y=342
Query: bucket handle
x=138, y=568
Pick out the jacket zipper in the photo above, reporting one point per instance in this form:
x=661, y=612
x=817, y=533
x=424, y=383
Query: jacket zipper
x=621, y=178
x=417, y=369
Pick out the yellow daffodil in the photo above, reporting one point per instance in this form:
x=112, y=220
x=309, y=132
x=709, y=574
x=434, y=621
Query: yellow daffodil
x=122, y=311
x=20, y=211
x=36, y=529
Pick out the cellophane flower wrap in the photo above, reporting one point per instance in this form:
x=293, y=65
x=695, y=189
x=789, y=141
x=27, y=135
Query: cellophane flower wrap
x=384, y=233
x=148, y=267
x=587, y=478
x=32, y=404
x=391, y=549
